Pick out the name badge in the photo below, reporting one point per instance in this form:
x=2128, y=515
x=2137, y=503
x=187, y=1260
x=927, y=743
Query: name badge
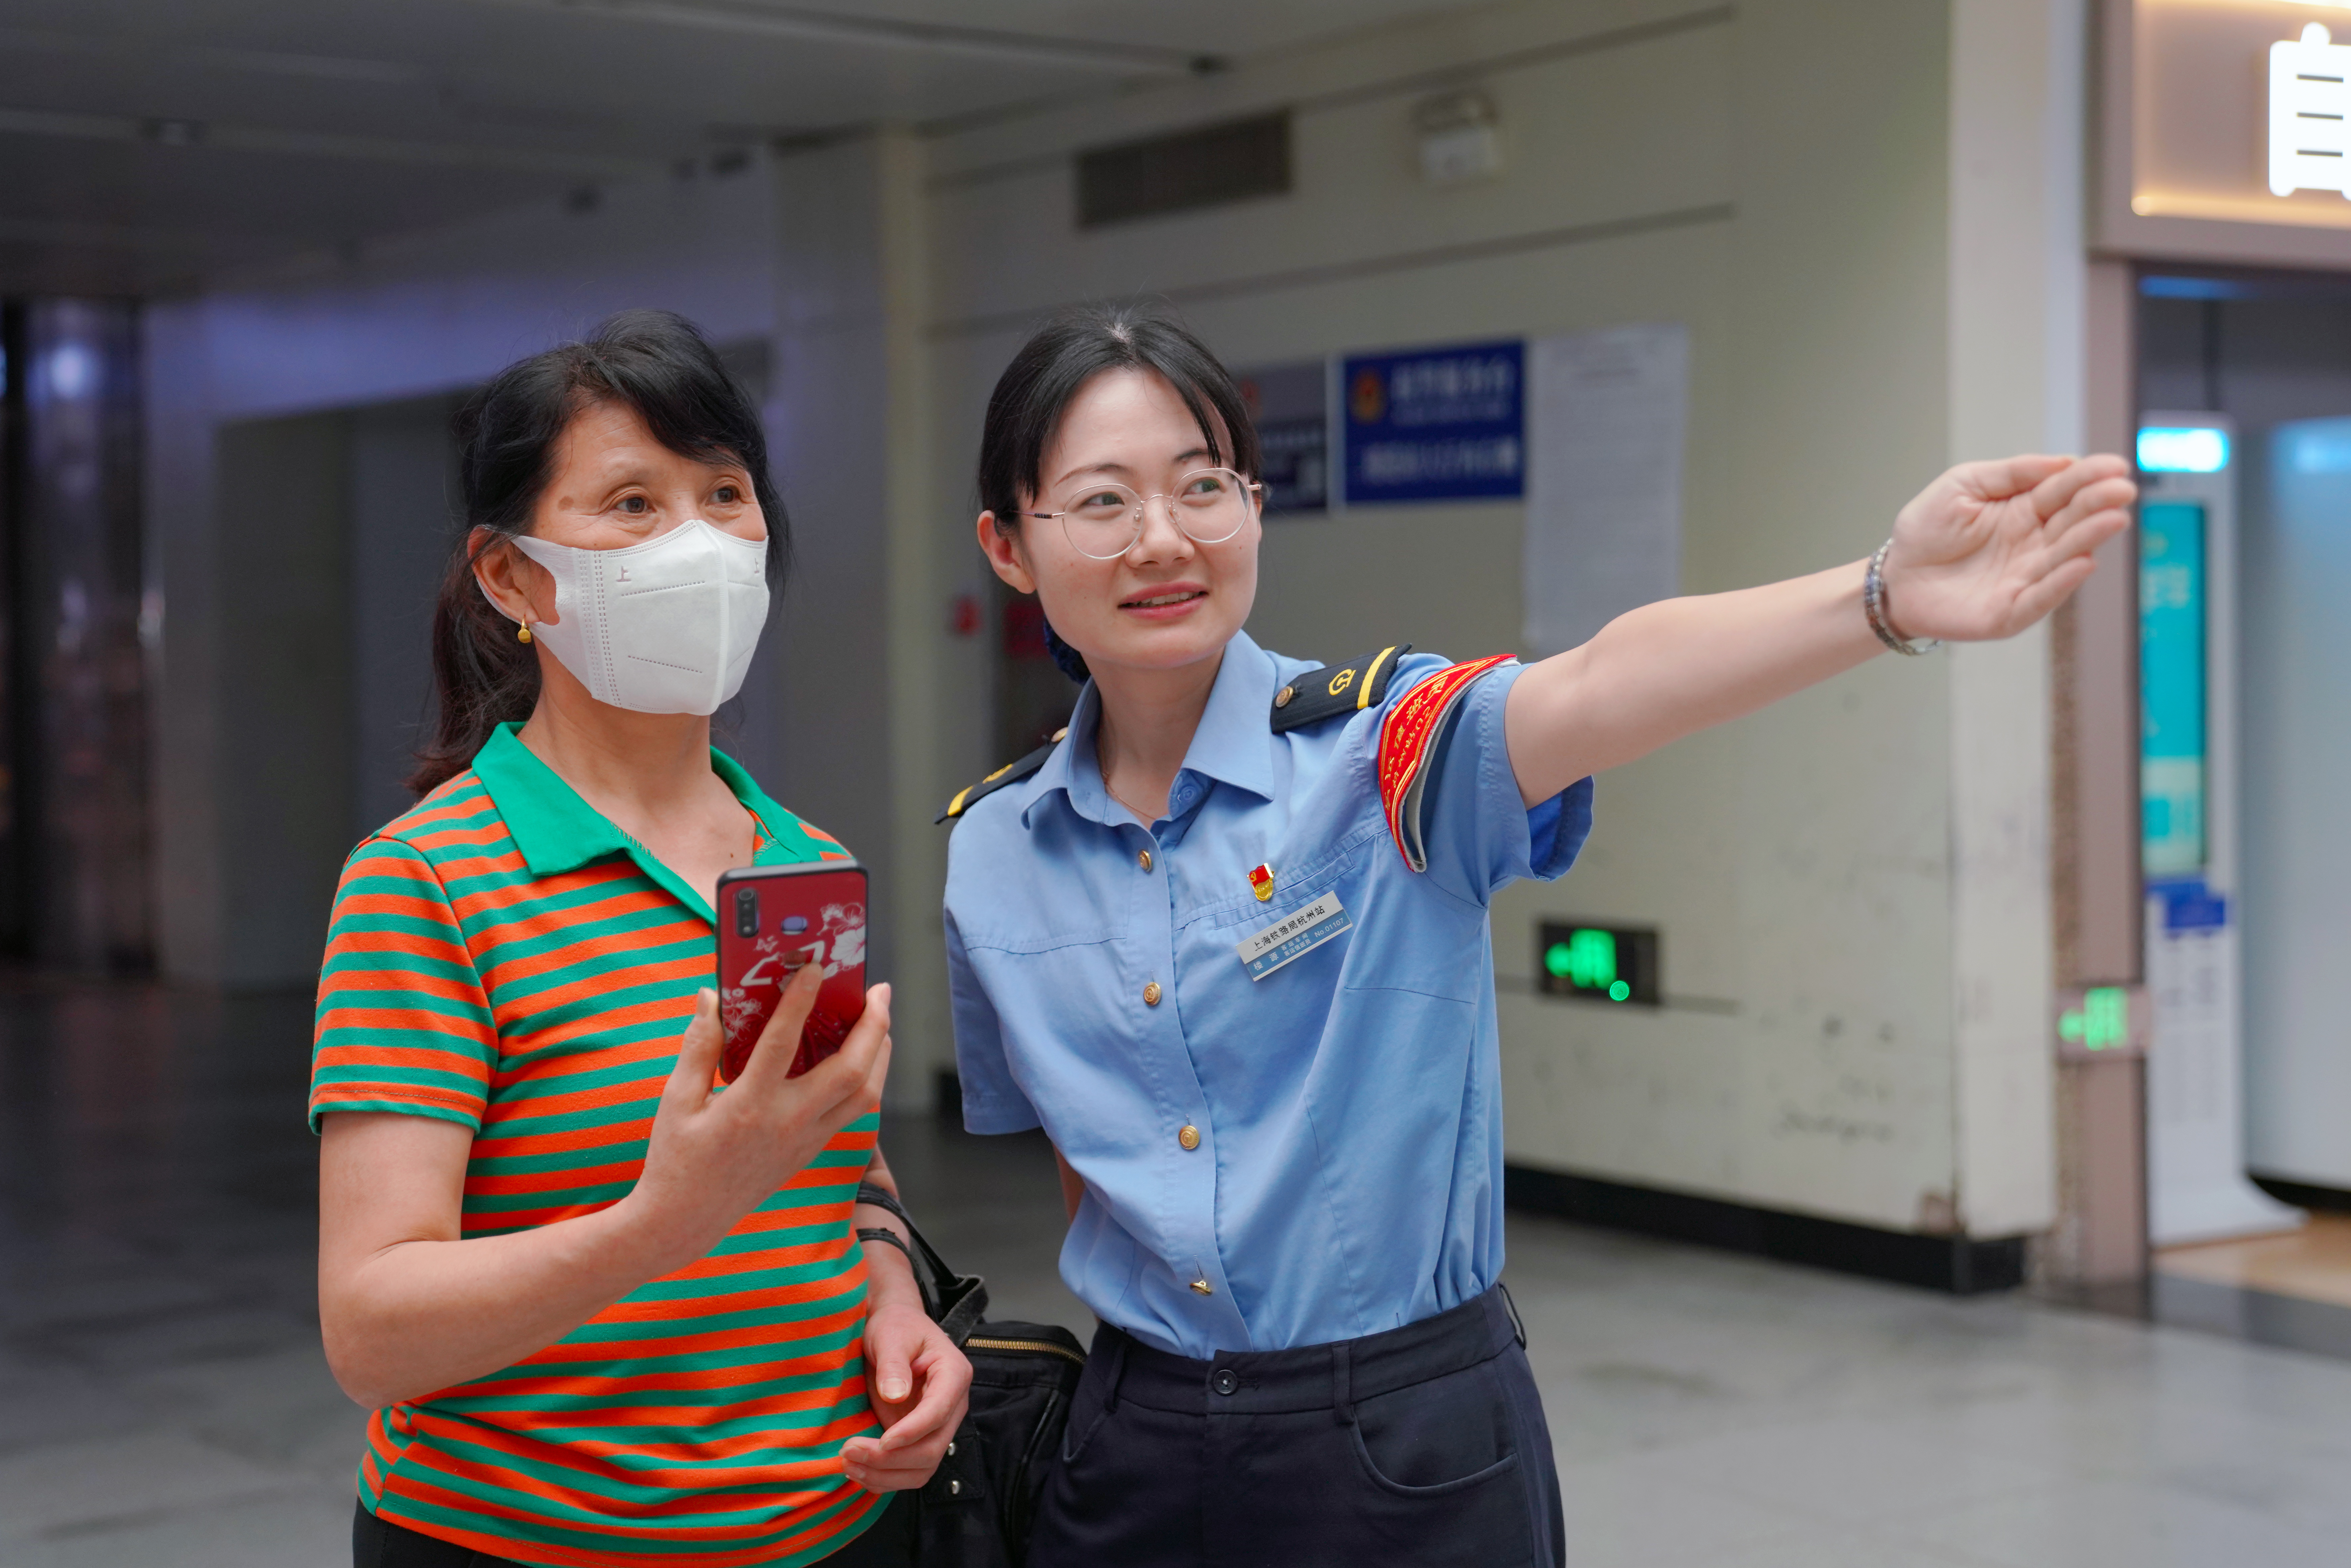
x=1293, y=935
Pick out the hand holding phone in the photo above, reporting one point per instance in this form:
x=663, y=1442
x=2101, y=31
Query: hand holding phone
x=717, y=1154
x=774, y=922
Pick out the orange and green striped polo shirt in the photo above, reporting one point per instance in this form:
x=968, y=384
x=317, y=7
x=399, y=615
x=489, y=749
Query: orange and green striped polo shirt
x=504, y=957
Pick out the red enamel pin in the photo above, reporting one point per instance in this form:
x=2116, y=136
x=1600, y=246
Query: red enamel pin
x=1261, y=882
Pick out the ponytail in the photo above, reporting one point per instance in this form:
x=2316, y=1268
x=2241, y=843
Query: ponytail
x=657, y=364
x=483, y=675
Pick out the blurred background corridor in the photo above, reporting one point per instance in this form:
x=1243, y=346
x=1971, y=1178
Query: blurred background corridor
x=1927, y=1100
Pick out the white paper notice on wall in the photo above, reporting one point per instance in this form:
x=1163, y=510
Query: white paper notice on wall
x=1606, y=413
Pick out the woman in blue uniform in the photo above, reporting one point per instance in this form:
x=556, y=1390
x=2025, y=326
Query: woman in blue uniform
x=1226, y=941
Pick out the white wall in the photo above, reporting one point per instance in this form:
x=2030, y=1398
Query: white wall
x=1853, y=887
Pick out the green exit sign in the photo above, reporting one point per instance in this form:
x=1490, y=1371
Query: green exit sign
x=2103, y=1021
x=1597, y=962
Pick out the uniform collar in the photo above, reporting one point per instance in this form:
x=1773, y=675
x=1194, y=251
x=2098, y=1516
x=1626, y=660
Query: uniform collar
x=1234, y=744
x=556, y=831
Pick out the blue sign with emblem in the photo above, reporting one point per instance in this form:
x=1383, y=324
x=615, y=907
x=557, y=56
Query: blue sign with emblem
x=1436, y=425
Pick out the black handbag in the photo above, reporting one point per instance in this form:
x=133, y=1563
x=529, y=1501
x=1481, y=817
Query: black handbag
x=977, y=1510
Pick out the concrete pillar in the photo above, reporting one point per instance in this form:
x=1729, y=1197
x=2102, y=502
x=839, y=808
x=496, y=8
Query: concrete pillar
x=2100, y=1239
x=2016, y=360
x=856, y=674
x=405, y=513
x=78, y=803
x=282, y=787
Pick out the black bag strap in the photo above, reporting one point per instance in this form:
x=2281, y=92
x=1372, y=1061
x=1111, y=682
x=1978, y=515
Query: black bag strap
x=955, y=1302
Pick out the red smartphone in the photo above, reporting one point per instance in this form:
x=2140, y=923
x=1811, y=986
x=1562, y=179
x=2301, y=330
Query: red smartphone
x=772, y=921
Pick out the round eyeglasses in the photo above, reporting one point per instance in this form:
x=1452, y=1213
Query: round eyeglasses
x=1103, y=522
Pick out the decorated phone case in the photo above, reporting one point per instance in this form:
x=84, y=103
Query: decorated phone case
x=772, y=920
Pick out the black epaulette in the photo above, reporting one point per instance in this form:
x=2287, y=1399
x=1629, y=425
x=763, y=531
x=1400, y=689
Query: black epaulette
x=1011, y=773
x=1335, y=689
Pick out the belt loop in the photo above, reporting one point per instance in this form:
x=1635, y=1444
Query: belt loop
x=1117, y=1368
x=1343, y=1385
x=1517, y=1325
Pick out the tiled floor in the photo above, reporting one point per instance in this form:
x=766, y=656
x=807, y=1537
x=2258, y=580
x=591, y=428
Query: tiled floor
x=163, y=1405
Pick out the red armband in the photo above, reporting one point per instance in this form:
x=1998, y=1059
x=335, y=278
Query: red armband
x=1406, y=735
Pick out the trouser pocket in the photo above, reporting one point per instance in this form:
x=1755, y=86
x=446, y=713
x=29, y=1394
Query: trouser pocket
x=1438, y=1438
x=1453, y=1470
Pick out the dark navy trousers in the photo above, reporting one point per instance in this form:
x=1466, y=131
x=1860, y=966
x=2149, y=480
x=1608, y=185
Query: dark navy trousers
x=1425, y=1445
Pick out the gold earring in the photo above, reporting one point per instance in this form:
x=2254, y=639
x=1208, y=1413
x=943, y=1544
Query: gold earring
x=522, y=633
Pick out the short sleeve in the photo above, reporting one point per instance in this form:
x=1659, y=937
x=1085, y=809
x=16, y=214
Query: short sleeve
x=1478, y=833
x=403, y=1024
x=992, y=1102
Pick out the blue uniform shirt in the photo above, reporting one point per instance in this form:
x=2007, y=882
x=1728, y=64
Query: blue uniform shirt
x=1347, y=1177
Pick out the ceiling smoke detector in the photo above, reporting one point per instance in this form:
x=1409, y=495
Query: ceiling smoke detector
x=1460, y=138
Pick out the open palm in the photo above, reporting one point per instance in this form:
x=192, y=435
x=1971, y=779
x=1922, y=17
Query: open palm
x=1990, y=548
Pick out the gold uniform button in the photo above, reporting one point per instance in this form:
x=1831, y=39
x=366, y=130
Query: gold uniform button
x=1150, y=993
x=1282, y=698
x=1204, y=1287
x=1144, y=860
x=1189, y=1137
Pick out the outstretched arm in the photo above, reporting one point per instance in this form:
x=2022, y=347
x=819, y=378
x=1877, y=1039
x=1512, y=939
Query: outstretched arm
x=1981, y=553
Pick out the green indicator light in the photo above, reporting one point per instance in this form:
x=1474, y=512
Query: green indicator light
x=1590, y=960
x=2102, y=1023
x=1599, y=962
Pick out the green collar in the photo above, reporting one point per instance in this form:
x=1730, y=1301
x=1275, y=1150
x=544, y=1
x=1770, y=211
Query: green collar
x=556, y=831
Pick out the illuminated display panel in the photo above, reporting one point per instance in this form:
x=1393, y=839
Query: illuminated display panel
x=2171, y=685
x=2193, y=450
x=2206, y=75
x=2226, y=129
x=1597, y=962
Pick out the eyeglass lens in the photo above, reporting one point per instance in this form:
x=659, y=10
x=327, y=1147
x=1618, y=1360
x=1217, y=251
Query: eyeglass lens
x=1105, y=521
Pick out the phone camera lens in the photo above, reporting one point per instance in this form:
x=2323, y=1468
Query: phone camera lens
x=747, y=912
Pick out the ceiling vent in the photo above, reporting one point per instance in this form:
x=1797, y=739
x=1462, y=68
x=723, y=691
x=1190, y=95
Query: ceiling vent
x=1207, y=166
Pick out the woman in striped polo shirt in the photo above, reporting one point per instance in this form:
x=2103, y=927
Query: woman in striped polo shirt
x=603, y=1315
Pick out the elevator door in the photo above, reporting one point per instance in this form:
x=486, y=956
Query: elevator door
x=2297, y=831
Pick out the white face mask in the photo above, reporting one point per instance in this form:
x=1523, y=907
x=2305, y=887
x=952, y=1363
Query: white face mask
x=666, y=626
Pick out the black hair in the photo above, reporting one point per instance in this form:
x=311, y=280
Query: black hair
x=655, y=363
x=1072, y=346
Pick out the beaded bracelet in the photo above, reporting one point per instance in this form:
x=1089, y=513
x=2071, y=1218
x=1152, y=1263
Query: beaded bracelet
x=1879, y=607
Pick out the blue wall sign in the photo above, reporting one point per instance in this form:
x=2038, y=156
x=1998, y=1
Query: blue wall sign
x=1436, y=425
